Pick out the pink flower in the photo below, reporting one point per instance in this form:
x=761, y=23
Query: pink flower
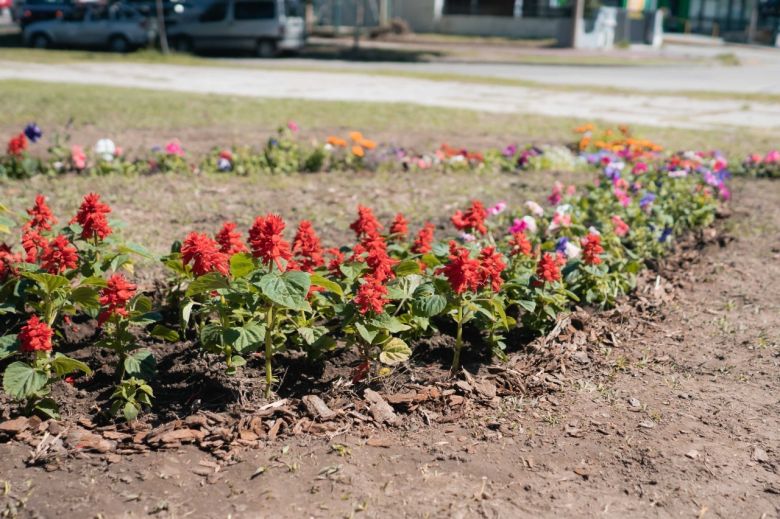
x=535, y=208
x=174, y=148
x=78, y=157
x=621, y=227
x=772, y=156
x=559, y=220
x=522, y=224
x=497, y=209
x=571, y=190
x=622, y=197
x=557, y=194
x=639, y=168
x=292, y=126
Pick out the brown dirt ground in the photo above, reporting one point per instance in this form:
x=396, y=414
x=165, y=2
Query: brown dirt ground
x=675, y=414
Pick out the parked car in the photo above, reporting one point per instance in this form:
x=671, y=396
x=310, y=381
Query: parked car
x=31, y=11
x=263, y=27
x=117, y=27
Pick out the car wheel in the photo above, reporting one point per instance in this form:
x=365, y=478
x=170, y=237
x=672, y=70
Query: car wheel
x=40, y=41
x=118, y=44
x=265, y=49
x=182, y=44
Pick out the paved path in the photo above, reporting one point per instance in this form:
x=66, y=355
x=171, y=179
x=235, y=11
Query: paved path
x=322, y=85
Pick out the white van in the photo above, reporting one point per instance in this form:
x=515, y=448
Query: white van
x=264, y=27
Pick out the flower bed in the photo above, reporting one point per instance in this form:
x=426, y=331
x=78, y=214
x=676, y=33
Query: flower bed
x=240, y=298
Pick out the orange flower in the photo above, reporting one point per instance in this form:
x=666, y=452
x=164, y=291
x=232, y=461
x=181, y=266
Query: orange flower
x=584, y=142
x=589, y=127
x=358, y=151
x=367, y=144
x=356, y=136
x=337, y=141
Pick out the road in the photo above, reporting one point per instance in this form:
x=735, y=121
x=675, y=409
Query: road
x=317, y=82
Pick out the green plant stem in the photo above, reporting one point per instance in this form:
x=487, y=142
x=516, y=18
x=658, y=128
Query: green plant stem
x=269, y=344
x=458, y=342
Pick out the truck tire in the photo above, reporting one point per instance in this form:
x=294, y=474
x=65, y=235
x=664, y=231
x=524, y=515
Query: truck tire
x=265, y=49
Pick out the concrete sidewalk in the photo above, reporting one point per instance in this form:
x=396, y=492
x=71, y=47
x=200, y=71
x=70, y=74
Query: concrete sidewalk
x=642, y=108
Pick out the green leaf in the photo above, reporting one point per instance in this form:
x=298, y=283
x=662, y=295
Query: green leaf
x=141, y=304
x=207, y=283
x=140, y=250
x=85, y=296
x=141, y=364
x=63, y=365
x=237, y=361
x=366, y=334
x=245, y=338
x=186, y=311
x=288, y=290
x=130, y=411
x=241, y=265
x=93, y=281
x=330, y=286
x=528, y=306
x=164, y=333
x=48, y=282
x=8, y=346
x=431, y=305
x=47, y=407
x=407, y=268
x=389, y=323
x=394, y=352
x=22, y=381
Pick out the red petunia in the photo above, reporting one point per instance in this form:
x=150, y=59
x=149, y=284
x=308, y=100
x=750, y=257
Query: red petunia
x=334, y=265
x=366, y=223
x=204, y=254
x=114, y=297
x=33, y=244
x=92, y=218
x=591, y=248
x=267, y=241
x=17, y=145
x=547, y=270
x=424, y=240
x=41, y=216
x=59, y=256
x=491, y=267
x=307, y=247
x=370, y=296
x=520, y=244
x=35, y=336
x=229, y=239
x=472, y=220
x=399, y=229
x=462, y=271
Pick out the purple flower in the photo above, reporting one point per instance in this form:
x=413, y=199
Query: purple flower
x=665, y=234
x=509, y=151
x=497, y=209
x=33, y=132
x=646, y=200
x=560, y=247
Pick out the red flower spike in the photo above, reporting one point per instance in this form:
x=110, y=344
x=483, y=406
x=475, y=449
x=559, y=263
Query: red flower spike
x=35, y=336
x=547, y=270
x=519, y=244
x=462, y=271
x=114, y=297
x=370, y=296
x=204, y=254
x=399, y=229
x=366, y=223
x=7, y=261
x=59, y=256
x=267, y=241
x=472, y=220
x=492, y=265
x=229, y=239
x=307, y=247
x=334, y=265
x=380, y=264
x=92, y=218
x=424, y=240
x=33, y=244
x=41, y=216
x=591, y=248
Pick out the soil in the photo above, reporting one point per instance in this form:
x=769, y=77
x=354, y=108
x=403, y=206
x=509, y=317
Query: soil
x=666, y=406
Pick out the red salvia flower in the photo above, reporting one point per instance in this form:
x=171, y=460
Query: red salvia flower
x=366, y=223
x=41, y=216
x=59, y=256
x=7, y=261
x=229, y=239
x=547, y=270
x=334, y=265
x=204, y=254
x=33, y=244
x=35, y=336
x=591, y=248
x=307, y=247
x=17, y=145
x=114, y=297
x=520, y=244
x=370, y=296
x=491, y=267
x=380, y=264
x=472, y=220
x=92, y=218
x=462, y=271
x=267, y=242
x=424, y=240
x=399, y=229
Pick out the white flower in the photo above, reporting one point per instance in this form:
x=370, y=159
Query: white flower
x=530, y=223
x=105, y=149
x=535, y=208
x=572, y=250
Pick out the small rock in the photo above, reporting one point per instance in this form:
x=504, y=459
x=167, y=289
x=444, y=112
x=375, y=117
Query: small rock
x=486, y=388
x=647, y=424
x=379, y=442
x=634, y=402
x=693, y=454
x=581, y=357
x=380, y=409
x=759, y=455
x=317, y=408
x=15, y=426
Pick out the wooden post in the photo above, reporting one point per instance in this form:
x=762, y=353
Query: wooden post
x=161, y=28
x=359, y=14
x=577, y=25
x=751, y=33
